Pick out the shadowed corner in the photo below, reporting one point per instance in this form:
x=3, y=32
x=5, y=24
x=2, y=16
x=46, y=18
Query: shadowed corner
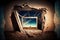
x=2, y=37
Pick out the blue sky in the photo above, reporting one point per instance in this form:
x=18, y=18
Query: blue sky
x=27, y=22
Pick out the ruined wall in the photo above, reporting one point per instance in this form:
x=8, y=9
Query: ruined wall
x=49, y=23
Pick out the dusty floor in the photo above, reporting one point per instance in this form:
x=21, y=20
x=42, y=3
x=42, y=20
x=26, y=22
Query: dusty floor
x=30, y=35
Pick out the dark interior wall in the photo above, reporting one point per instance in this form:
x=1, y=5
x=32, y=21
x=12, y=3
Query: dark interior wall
x=7, y=16
x=57, y=18
x=2, y=23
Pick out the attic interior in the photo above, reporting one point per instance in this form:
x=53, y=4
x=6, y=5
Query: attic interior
x=29, y=23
